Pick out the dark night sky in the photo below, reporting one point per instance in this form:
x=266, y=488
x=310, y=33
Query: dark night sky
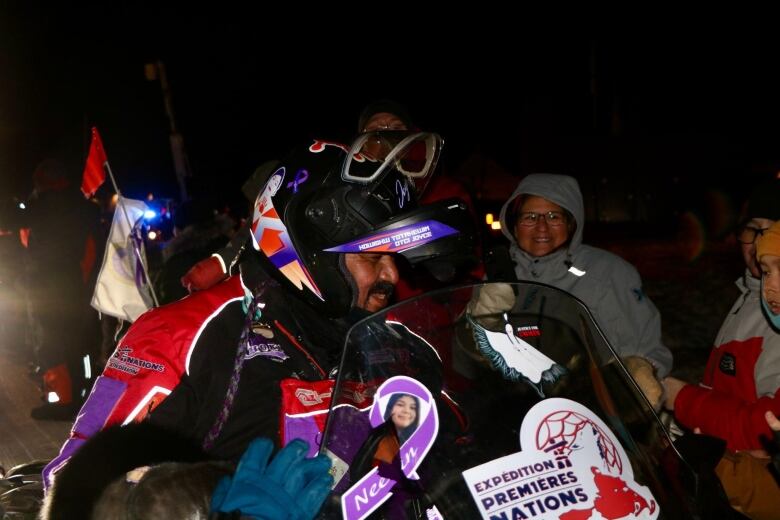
x=702, y=108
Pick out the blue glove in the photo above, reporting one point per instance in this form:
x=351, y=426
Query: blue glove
x=291, y=487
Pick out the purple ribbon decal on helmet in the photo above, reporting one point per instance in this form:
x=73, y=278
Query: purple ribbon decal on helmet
x=371, y=491
x=397, y=240
x=300, y=177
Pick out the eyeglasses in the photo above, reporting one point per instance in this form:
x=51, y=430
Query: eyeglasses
x=552, y=218
x=393, y=126
x=748, y=235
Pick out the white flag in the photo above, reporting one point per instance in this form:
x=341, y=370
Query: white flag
x=122, y=290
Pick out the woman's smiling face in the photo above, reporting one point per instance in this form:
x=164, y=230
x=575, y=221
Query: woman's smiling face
x=542, y=237
x=404, y=412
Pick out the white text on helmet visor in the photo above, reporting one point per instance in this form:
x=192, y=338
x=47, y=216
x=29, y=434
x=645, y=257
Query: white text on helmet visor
x=397, y=240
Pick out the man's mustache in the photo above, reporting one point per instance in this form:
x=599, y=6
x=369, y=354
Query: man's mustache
x=383, y=288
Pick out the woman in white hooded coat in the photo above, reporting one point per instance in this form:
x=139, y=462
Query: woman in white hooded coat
x=544, y=220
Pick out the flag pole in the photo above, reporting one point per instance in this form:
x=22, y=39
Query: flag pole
x=113, y=180
x=141, y=259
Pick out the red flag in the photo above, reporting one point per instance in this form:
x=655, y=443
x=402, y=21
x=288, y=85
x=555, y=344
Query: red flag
x=94, y=174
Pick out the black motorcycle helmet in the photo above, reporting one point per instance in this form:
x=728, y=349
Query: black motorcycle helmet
x=328, y=199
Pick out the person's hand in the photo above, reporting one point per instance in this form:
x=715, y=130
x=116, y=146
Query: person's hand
x=774, y=425
x=772, y=421
x=493, y=298
x=290, y=487
x=205, y=274
x=672, y=386
x=644, y=375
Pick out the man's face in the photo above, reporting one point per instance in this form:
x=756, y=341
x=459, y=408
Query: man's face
x=750, y=231
x=541, y=238
x=375, y=147
x=375, y=276
x=770, y=290
x=384, y=121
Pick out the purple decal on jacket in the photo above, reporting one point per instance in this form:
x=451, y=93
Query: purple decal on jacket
x=258, y=346
x=90, y=420
x=303, y=427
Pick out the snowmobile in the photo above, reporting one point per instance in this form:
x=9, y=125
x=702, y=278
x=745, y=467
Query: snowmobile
x=441, y=412
x=520, y=414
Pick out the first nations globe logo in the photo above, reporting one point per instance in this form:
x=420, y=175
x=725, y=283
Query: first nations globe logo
x=571, y=468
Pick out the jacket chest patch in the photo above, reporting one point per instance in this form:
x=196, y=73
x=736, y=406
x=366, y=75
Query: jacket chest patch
x=259, y=346
x=728, y=364
x=123, y=361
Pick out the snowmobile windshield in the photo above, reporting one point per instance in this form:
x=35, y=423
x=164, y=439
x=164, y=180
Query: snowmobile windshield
x=525, y=412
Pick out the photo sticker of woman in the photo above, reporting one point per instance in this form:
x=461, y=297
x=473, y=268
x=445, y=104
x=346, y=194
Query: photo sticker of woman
x=404, y=424
x=403, y=411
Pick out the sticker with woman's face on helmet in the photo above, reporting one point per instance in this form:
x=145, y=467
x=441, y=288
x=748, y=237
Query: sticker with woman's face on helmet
x=404, y=416
x=571, y=467
x=270, y=236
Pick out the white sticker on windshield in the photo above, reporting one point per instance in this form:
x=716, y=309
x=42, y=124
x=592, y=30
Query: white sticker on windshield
x=514, y=357
x=571, y=468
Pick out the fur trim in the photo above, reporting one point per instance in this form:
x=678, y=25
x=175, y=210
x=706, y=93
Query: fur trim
x=110, y=454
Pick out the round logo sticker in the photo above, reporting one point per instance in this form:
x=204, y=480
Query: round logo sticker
x=571, y=468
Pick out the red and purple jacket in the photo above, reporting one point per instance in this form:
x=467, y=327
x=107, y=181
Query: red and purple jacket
x=175, y=362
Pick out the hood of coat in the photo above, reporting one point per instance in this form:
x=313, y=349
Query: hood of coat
x=560, y=189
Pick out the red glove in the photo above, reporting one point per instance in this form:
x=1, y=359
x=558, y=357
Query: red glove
x=205, y=274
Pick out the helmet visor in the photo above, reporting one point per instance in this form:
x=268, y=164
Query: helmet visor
x=375, y=154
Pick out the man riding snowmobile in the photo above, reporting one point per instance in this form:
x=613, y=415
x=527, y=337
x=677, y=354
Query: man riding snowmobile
x=222, y=366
